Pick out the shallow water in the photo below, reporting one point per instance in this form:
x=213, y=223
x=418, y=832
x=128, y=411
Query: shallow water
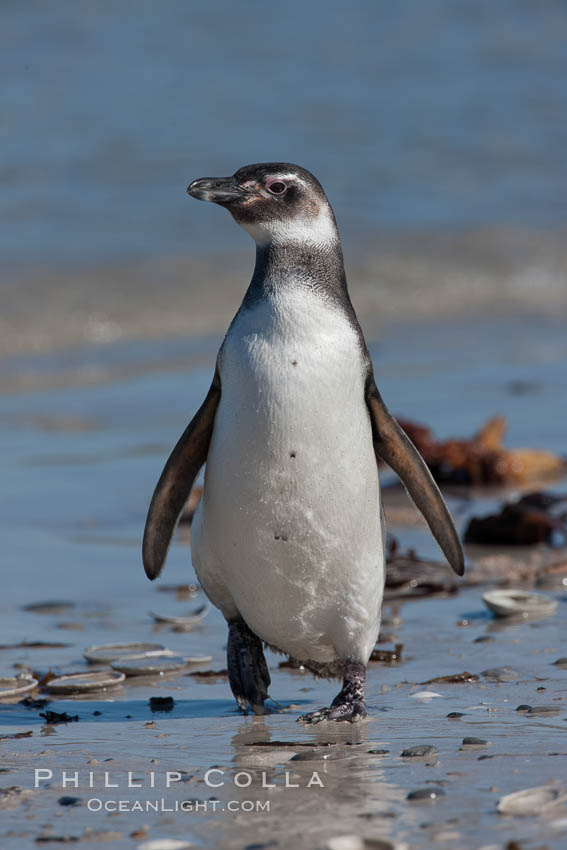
x=80, y=460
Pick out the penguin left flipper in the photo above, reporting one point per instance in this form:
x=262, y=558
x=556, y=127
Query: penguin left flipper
x=392, y=445
x=176, y=481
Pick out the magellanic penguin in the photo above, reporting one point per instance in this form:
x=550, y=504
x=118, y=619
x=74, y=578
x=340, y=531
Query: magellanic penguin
x=288, y=539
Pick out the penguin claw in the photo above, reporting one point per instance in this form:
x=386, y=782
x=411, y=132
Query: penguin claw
x=351, y=711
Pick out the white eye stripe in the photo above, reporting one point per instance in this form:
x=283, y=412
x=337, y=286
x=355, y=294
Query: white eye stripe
x=286, y=178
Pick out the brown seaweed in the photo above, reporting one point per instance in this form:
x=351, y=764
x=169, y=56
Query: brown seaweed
x=529, y=520
x=481, y=459
x=452, y=679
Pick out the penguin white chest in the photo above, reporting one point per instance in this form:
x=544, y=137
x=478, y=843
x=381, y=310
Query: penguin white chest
x=288, y=534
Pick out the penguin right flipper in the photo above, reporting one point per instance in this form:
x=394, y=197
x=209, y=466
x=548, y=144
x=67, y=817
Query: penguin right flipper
x=392, y=445
x=176, y=481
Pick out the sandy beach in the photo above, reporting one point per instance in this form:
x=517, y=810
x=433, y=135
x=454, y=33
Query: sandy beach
x=80, y=463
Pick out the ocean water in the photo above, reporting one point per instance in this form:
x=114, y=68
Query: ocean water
x=438, y=129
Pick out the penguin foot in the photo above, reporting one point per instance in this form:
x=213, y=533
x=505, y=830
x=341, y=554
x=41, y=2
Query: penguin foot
x=349, y=704
x=247, y=669
x=346, y=711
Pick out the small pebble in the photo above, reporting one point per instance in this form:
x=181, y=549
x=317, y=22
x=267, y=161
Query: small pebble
x=379, y=752
x=474, y=742
x=420, y=751
x=69, y=801
x=524, y=707
x=500, y=674
x=161, y=703
x=561, y=662
x=454, y=715
x=426, y=794
x=544, y=709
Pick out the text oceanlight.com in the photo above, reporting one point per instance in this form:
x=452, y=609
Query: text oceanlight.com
x=162, y=805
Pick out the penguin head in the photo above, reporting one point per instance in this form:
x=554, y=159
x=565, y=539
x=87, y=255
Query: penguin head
x=276, y=202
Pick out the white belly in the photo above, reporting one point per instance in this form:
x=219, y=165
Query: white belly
x=288, y=533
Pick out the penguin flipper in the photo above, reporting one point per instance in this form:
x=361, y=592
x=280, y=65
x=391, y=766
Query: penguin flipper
x=392, y=445
x=176, y=481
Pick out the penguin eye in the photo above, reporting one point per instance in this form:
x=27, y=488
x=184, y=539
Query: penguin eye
x=277, y=187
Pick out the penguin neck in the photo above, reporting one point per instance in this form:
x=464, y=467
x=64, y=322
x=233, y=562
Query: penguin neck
x=318, y=267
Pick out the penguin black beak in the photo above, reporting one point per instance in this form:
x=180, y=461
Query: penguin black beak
x=219, y=190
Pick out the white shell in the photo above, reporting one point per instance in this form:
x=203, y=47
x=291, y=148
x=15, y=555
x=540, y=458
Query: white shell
x=105, y=653
x=425, y=695
x=191, y=620
x=149, y=664
x=509, y=603
x=14, y=686
x=165, y=844
x=531, y=801
x=346, y=842
x=76, y=683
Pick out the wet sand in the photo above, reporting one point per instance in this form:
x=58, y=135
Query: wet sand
x=80, y=462
x=422, y=273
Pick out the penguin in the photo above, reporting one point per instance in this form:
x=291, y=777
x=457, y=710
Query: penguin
x=288, y=538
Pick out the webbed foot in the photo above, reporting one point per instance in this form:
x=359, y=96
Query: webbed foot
x=349, y=704
x=247, y=669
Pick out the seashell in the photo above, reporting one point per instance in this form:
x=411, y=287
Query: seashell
x=425, y=695
x=78, y=683
x=144, y=664
x=531, y=801
x=187, y=622
x=509, y=603
x=14, y=686
x=107, y=652
x=198, y=659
